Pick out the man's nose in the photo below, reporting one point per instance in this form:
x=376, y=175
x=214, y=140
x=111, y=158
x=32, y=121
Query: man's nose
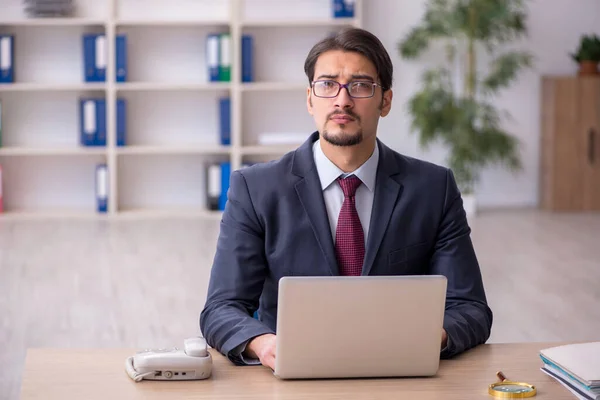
x=343, y=99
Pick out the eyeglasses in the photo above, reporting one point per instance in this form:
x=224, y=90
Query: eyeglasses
x=357, y=90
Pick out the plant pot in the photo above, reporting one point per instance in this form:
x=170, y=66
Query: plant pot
x=470, y=205
x=587, y=68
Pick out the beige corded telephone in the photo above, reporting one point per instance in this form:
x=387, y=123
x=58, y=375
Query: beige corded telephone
x=193, y=362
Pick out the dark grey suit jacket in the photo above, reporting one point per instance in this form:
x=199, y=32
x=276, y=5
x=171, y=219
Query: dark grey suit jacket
x=275, y=224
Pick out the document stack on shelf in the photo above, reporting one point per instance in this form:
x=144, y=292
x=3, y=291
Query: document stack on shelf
x=49, y=8
x=575, y=366
x=282, y=138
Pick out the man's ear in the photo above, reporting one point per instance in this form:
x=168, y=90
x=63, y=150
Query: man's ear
x=309, y=105
x=386, y=102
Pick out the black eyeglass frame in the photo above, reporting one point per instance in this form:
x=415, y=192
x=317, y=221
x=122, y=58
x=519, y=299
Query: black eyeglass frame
x=345, y=86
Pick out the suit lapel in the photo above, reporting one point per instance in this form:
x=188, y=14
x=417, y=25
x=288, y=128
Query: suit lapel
x=387, y=191
x=311, y=196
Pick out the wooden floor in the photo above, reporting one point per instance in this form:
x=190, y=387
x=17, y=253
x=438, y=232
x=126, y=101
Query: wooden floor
x=143, y=283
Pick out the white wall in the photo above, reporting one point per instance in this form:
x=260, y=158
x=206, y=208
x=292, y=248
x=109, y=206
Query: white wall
x=554, y=30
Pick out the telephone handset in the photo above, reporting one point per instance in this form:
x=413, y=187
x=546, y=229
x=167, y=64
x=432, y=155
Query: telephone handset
x=191, y=363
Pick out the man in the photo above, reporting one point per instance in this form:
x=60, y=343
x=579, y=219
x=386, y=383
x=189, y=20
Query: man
x=343, y=203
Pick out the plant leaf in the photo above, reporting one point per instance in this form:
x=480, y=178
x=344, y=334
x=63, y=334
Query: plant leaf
x=504, y=70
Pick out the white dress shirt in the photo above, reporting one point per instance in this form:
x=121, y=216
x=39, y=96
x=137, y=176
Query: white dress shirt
x=333, y=194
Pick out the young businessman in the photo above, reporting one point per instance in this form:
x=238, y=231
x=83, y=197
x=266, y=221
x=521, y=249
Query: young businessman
x=343, y=203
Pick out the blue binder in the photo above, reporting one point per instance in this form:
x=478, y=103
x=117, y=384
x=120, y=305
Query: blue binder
x=225, y=120
x=247, y=59
x=7, y=56
x=101, y=118
x=94, y=53
x=225, y=174
x=121, y=53
x=92, y=122
x=343, y=8
x=121, y=122
x=102, y=188
x=88, y=120
x=212, y=56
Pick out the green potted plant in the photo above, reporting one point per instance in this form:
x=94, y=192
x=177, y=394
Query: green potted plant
x=455, y=102
x=587, y=55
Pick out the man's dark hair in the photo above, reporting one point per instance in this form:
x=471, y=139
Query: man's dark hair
x=355, y=40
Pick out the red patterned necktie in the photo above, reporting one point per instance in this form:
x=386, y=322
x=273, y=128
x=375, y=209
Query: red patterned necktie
x=349, y=236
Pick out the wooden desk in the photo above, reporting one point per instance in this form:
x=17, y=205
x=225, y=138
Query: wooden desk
x=99, y=374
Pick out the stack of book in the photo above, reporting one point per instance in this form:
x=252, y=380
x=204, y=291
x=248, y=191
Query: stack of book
x=48, y=8
x=575, y=366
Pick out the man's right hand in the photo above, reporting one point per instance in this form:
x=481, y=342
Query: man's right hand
x=263, y=348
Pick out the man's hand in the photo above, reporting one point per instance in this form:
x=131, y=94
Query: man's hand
x=263, y=348
x=444, y=338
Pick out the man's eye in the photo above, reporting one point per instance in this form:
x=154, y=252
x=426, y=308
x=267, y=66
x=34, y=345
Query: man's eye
x=362, y=85
x=328, y=85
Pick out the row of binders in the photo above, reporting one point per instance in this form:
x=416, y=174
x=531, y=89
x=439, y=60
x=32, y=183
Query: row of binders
x=218, y=58
x=217, y=185
x=93, y=122
x=101, y=189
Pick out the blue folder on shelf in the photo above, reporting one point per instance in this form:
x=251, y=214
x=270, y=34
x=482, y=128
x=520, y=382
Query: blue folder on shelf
x=225, y=175
x=121, y=122
x=94, y=54
x=247, y=59
x=102, y=188
x=343, y=8
x=92, y=122
x=7, y=55
x=121, y=58
x=212, y=56
x=225, y=120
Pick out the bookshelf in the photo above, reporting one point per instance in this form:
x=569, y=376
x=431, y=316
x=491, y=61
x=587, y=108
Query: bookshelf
x=172, y=107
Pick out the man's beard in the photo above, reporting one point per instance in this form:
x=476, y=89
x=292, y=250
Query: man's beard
x=343, y=138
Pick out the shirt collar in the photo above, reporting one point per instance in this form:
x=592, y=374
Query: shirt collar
x=329, y=172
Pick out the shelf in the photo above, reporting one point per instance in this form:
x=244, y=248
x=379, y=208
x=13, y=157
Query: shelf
x=166, y=150
x=53, y=22
x=273, y=86
x=166, y=86
x=170, y=23
x=51, y=87
x=299, y=23
x=269, y=150
x=173, y=121
x=170, y=213
x=59, y=214
x=32, y=151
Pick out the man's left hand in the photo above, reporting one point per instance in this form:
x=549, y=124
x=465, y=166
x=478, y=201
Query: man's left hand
x=444, y=338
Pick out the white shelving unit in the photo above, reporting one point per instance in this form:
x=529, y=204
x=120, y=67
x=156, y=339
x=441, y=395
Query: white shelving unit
x=172, y=108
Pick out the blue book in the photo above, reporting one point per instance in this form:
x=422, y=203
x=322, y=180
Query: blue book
x=121, y=122
x=225, y=174
x=212, y=57
x=102, y=188
x=88, y=120
x=7, y=56
x=121, y=55
x=343, y=8
x=225, y=120
x=100, y=139
x=94, y=53
x=247, y=59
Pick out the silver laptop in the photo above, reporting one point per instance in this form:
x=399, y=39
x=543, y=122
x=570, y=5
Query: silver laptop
x=359, y=327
